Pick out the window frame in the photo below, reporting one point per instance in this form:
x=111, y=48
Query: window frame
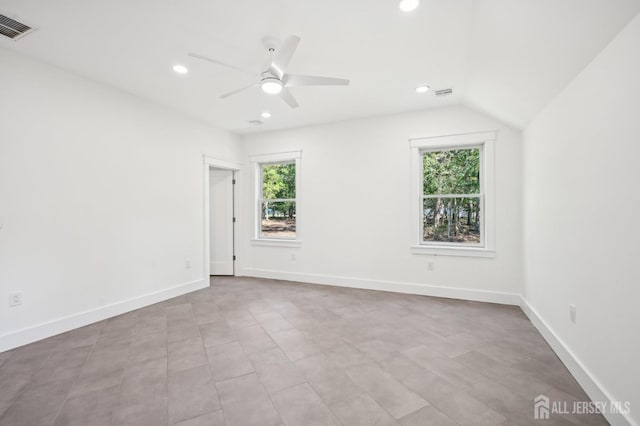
x=259, y=161
x=485, y=142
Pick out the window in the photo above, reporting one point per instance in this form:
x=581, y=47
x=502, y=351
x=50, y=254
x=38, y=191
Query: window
x=277, y=186
x=452, y=200
x=278, y=201
x=451, y=197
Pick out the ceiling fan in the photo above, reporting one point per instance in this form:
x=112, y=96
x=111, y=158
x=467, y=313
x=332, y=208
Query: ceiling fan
x=274, y=80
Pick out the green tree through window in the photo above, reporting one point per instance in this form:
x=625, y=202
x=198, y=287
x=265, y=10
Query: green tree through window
x=278, y=203
x=451, y=196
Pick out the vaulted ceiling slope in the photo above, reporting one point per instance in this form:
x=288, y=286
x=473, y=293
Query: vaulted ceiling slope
x=508, y=58
x=524, y=52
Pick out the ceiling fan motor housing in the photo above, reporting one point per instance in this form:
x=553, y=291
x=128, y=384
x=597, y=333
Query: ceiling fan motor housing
x=271, y=85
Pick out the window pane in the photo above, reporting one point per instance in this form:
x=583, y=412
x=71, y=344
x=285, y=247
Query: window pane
x=279, y=181
x=278, y=219
x=451, y=220
x=452, y=172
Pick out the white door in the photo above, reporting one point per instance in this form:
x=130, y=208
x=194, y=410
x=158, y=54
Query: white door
x=221, y=221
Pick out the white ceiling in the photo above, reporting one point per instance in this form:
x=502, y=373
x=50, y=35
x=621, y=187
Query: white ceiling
x=506, y=57
x=523, y=52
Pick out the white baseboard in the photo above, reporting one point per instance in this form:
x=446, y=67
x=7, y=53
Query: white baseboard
x=392, y=286
x=60, y=325
x=580, y=372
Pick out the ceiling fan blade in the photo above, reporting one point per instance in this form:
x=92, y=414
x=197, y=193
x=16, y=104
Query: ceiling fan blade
x=283, y=55
x=226, y=95
x=310, y=80
x=287, y=96
x=233, y=67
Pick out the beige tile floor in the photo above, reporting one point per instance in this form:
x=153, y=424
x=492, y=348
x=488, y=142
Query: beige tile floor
x=265, y=352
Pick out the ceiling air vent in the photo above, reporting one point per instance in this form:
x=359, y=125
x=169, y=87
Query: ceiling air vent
x=255, y=122
x=13, y=29
x=444, y=92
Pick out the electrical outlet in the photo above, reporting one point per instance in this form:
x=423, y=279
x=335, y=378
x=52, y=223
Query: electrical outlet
x=15, y=298
x=572, y=313
x=431, y=265
x=187, y=264
x=293, y=257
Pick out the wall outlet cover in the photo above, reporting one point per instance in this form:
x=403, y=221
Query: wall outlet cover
x=15, y=298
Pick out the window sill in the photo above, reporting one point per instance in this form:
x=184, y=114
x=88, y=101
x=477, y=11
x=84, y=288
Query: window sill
x=276, y=243
x=454, y=251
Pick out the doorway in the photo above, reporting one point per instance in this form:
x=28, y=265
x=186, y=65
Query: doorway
x=221, y=221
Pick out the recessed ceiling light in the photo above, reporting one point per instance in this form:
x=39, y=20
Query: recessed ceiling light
x=422, y=89
x=266, y=114
x=271, y=85
x=180, y=69
x=408, y=5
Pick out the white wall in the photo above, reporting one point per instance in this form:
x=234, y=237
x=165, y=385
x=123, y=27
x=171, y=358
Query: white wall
x=101, y=196
x=355, y=209
x=581, y=232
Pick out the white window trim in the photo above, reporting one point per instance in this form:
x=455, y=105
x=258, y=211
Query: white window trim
x=487, y=181
x=258, y=161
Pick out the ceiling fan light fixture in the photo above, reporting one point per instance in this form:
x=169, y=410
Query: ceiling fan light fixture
x=422, y=89
x=266, y=114
x=271, y=85
x=408, y=5
x=180, y=69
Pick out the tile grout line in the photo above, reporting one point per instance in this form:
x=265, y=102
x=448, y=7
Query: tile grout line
x=215, y=384
x=22, y=390
x=258, y=376
x=75, y=380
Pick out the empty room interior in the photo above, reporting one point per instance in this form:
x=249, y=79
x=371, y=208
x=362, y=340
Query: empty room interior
x=301, y=213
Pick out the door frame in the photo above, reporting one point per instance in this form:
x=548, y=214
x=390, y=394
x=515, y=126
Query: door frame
x=209, y=163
